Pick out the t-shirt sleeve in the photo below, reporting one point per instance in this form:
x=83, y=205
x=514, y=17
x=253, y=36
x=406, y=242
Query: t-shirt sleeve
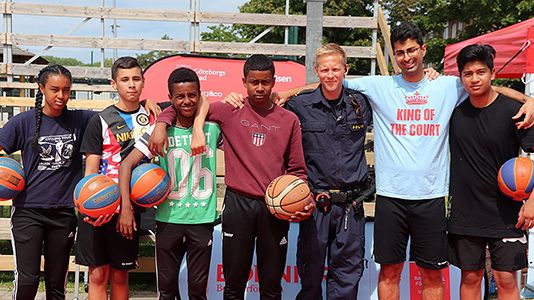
x=365, y=85
x=87, y=115
x=142, y=143
x=168, y=116
x=92, y=138
x=354, y=84
x=12, y=135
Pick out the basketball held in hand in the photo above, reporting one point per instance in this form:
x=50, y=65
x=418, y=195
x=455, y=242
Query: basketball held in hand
x=516, y=178
x=96, y=195
x=286, y=195
x=12, y=179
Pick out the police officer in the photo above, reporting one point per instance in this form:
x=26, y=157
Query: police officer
x=334, y=121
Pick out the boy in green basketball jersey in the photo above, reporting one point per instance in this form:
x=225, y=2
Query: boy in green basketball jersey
x=185, y=218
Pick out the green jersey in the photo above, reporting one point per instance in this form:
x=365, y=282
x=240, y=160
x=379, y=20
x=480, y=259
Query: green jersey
x=193, y=197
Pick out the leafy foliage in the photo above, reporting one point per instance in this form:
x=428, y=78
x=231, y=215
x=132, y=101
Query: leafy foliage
x=342, y=36
x=148, y=58
x=478, y=17
x=64, y=61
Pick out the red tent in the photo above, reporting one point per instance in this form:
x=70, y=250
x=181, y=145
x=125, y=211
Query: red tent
x=507, y=42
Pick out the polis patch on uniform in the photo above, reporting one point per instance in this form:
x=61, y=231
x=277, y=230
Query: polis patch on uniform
x=258, y=139
x=142, y=119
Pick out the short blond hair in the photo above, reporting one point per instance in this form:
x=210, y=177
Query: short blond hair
x=330, y=49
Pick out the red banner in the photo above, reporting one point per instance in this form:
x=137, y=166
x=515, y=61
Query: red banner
x=218, y=76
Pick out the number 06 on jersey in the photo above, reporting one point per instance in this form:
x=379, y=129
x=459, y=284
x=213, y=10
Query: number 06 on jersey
x=192, y=199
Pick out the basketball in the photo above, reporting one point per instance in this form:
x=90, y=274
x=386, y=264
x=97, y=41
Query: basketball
x=96, y=195
x=286, y=195
x=11, y=178
x=516, y=178
x=149, y=186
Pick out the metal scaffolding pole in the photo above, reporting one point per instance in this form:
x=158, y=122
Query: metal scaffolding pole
x=314, y=35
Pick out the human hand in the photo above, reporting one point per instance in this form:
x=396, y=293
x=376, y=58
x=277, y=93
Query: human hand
x=525, y=219
x=431, y=73
x=126, y=224
x=198, y=141
x=305, y=213
x=526, y=109
x=152, y=108
x=157, y=144
x=234, y=99
x=280, y=98
x=101, y=220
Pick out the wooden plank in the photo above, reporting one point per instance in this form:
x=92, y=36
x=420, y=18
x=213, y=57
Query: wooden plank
x=369, y=209
x=220, y=163
x=97, y=12
x=5, y=227
x=382, y=24
x=273, y=49
x=172, y=45
x=381, y=60
x=7, y=202
x=146, y=264
x=74, y=87
x=283, y=20
x=95, y=42
x=168, y=15
x=77, y=104
x=77, y=72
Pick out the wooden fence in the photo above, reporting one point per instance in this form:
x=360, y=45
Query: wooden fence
x=10, y=37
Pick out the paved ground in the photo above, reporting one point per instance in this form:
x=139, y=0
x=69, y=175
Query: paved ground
x=4, y=294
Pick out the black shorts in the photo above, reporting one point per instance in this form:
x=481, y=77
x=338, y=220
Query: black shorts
x=469, y=252
x=98, y=246
x=423, y=221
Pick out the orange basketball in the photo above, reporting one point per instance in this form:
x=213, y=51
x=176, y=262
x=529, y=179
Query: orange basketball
x=96, y=195
x=11, y=178
x=516, y=178
x=286, y=195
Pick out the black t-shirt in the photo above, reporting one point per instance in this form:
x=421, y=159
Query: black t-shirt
x=54, y=167
x=481, y=140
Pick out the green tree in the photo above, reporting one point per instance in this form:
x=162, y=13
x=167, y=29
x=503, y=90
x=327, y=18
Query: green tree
x=64, y=61
x=478, y=17
x=221, y=33
x=342, y=36
x=108, y=62
x=148, y=58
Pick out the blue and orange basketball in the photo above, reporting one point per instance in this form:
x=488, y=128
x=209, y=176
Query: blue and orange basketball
x=11, y=178
x=516, y=178
x=96, y=195
x=149, y=185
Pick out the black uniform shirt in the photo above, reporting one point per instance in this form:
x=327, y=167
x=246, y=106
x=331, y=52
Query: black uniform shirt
x=333, y=138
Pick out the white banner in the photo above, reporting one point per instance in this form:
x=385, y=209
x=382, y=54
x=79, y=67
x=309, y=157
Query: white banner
x=410, y=283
